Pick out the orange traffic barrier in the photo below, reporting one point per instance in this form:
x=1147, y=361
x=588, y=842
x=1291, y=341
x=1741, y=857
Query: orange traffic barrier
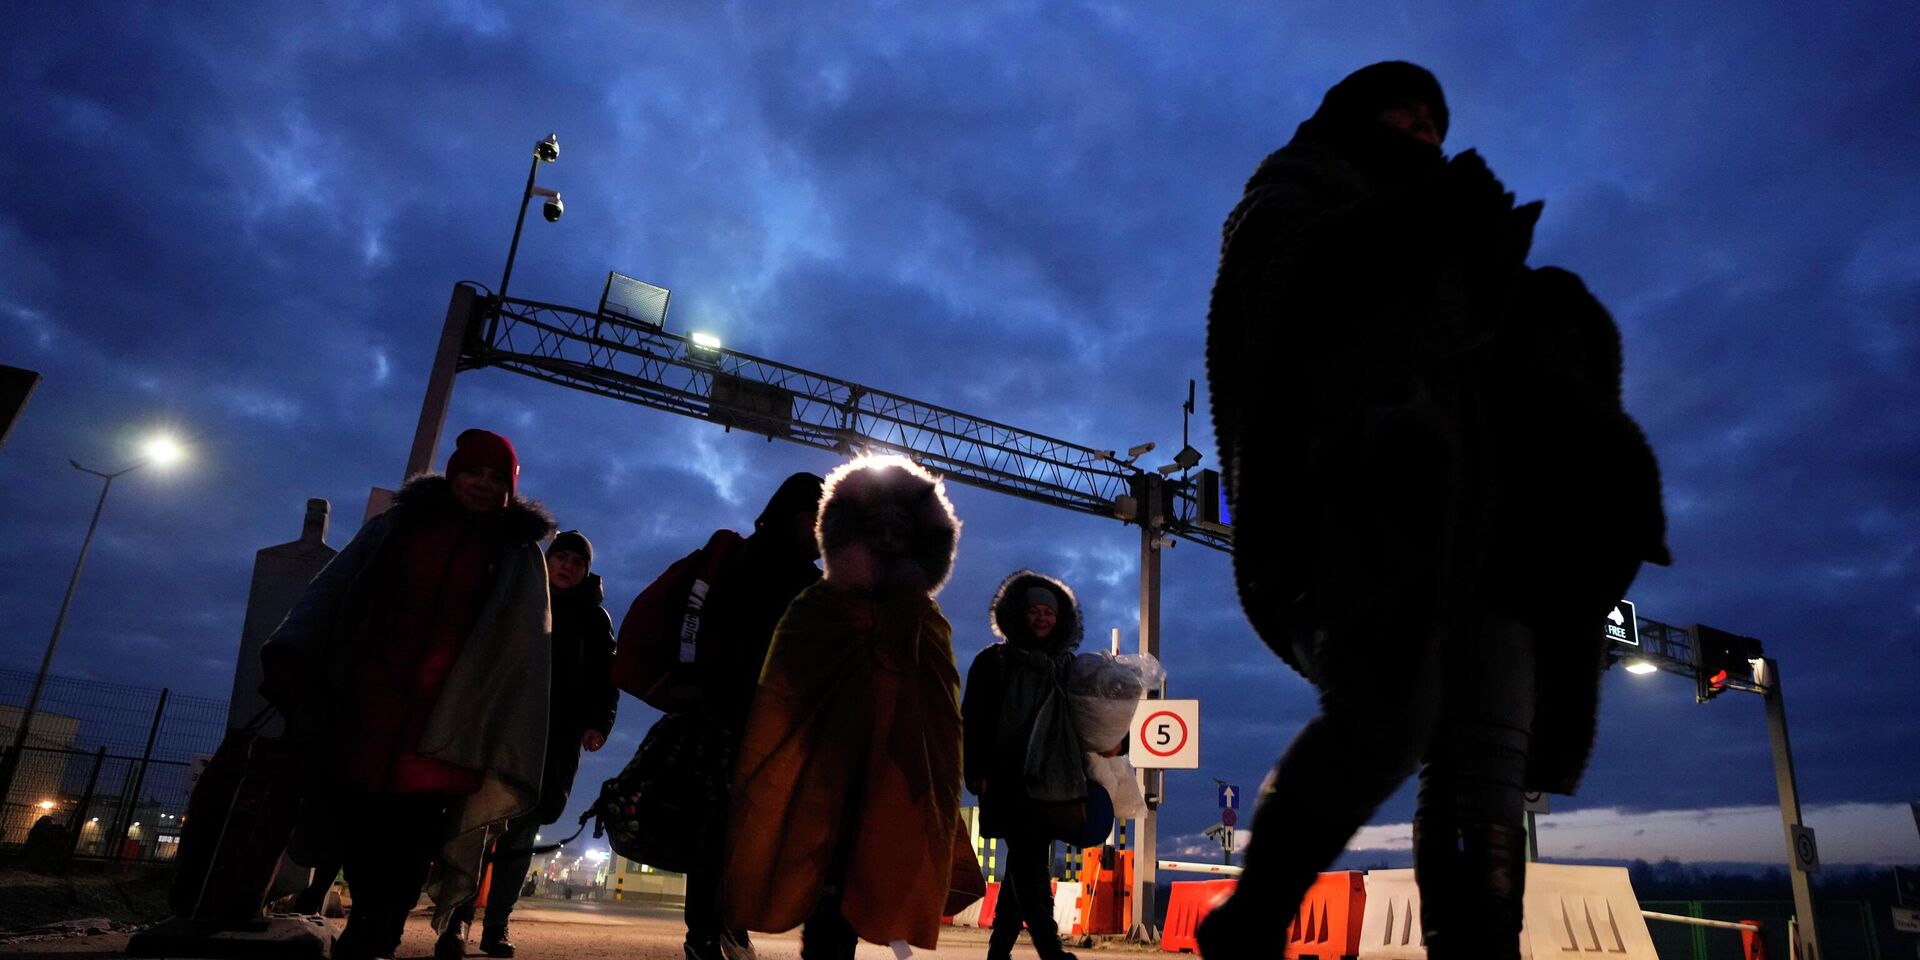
x=1187, y=903
x=987, y=904
x=1327, y=925
x=1106, y=884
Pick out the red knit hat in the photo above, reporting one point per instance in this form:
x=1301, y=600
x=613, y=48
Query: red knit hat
x=484, y=448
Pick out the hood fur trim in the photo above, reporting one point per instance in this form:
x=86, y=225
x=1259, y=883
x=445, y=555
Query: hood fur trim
x=1009, y=613
x=432, y=493
x=871, y=496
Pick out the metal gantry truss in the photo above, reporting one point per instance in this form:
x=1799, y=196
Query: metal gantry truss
x=1674, y=650
x=638, y=363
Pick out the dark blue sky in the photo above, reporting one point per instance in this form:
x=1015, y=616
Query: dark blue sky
x=244, y=224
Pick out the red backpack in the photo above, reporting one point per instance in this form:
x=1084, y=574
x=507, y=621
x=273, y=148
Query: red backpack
x=658, y=637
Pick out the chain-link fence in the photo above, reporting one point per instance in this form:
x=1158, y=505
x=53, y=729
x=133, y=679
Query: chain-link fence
x=105, y=769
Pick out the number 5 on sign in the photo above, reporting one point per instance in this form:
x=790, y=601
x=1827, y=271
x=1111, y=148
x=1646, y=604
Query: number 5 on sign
x=1166, y=734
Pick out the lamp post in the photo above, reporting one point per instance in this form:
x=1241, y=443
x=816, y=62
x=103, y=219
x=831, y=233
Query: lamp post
x=160, y=451
x=463, y=312
x=545, y=151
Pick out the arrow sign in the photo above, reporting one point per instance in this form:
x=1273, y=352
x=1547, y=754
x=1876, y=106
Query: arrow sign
x=1622, y=625
x=1229, y=797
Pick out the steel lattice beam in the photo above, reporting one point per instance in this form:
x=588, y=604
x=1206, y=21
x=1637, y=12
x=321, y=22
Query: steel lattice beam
x=618, y=358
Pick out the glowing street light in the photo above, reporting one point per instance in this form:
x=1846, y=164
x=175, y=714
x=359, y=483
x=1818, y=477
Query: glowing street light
x=160, y=450
x=1640, y=666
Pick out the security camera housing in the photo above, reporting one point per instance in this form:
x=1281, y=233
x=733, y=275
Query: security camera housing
x=552, y=209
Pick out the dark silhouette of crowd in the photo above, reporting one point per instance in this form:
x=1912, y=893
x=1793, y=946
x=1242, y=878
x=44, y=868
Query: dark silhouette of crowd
x=1408, y=417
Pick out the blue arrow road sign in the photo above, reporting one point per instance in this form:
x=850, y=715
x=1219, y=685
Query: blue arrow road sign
x=1229, y=797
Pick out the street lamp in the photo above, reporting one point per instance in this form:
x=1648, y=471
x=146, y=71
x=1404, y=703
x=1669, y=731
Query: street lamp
x=545, y=151
x=161, y=451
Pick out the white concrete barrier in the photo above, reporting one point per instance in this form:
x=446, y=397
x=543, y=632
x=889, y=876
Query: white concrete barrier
x=1569, y=912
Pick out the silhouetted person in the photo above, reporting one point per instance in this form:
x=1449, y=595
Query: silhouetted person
x=738, y=618
x=584, y=703
x=1436, y=498
x=1017, y=764
x=415, y=666
x=846, y=793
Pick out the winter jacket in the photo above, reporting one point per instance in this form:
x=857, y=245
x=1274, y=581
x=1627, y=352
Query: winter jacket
x=584, y=697
x=738, y=619
x=1369, y=334
x=1011, y=685
x=849, y=770
x=488, y=710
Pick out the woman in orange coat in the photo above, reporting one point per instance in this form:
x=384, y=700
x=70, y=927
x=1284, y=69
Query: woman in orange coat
x=846, y=792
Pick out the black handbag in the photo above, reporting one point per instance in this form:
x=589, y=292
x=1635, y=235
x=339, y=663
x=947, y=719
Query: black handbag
x=668, y=806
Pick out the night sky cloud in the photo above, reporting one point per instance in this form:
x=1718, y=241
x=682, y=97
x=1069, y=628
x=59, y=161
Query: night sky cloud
x=245, y=223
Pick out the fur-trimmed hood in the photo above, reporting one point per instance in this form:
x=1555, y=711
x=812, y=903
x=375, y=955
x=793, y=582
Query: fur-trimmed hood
x=1009, y=613
x=527, y=521
x=885, y=522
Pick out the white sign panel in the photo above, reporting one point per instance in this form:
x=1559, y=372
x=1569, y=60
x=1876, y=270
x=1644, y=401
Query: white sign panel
x=1906, y=920
x=1536, y=801
x=1806, y=854
x=1622, y=625
x=1166, y=735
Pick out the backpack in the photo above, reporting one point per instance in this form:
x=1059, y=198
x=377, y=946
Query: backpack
x=668, y=807
x=658, y=638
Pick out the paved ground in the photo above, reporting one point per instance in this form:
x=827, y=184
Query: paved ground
x=552, y=930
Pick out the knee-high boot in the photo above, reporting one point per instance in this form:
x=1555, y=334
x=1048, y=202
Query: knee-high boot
x=1436, y=871
x=1493, y=885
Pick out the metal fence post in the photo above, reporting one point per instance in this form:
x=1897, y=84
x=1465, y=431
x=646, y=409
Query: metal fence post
x=140, y=774
x=80, y=812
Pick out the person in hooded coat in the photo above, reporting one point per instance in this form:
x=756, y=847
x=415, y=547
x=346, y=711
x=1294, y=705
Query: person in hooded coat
x=1412, y=424
x=415, y=670
x=846, y=792
x=1022, y=755
x=741, y=610
x=585, y=703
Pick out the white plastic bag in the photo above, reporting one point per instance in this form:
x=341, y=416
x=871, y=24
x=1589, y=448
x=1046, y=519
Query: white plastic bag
x=1122, y=784
x=1104, y=689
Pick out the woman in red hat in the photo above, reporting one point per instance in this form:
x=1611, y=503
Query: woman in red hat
x=415, y=667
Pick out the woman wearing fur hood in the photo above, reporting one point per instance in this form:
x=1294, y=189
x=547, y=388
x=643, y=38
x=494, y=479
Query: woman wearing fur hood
x=846, y=792
x=415, y=666
x=1022, y=753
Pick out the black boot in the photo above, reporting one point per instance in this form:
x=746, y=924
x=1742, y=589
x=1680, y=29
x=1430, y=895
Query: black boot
x=1045, y=934
x=1000, y=942
x=452, y=943
x=1436, y=871
x=494, y=942
x=1493, y=885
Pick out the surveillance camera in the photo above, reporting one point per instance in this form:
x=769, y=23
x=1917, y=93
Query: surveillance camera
x=1141, y=449
x=547, y=150
x=1167, y=470
x=553, y=208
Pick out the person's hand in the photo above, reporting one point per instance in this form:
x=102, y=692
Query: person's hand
x=592, y=740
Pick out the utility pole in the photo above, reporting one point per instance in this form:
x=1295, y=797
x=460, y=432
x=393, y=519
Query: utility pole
x=1146, y=844
x=1801, y=853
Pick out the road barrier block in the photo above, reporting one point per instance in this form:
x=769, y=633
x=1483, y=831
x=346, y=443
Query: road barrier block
x=1188, y=901
x=1570, y=912
x=1327, y=925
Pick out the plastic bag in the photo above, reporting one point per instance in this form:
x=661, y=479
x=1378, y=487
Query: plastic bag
x=1103, y=690
x=1122, y=784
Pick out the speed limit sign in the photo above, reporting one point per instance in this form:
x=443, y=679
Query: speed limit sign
x=1166, y=734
